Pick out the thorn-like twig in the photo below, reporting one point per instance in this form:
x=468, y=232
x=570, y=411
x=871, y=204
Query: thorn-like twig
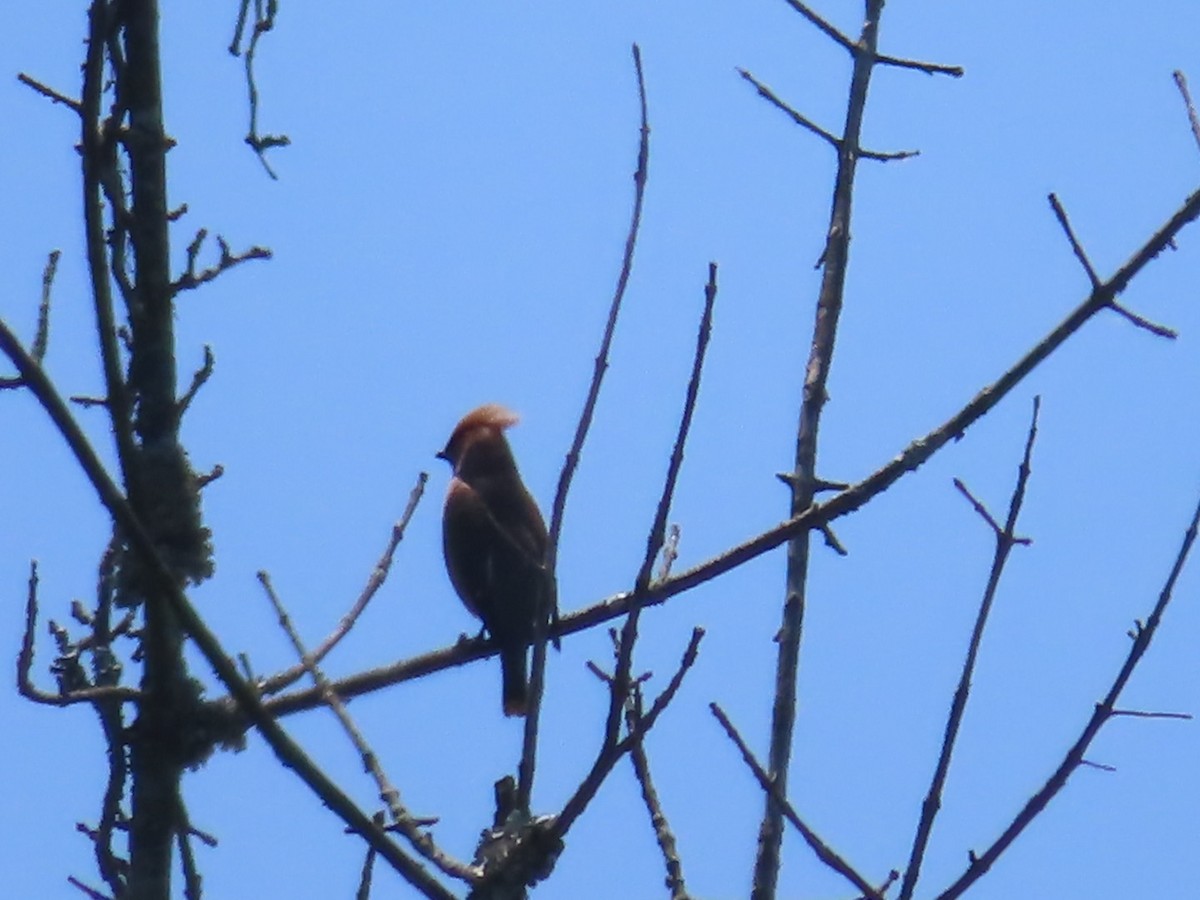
x=1076, y=247
x=199, y=377
x=800, y=119
x=72, y=104
x=854, y=49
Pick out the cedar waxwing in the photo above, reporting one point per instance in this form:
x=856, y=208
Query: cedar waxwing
x=494, y=541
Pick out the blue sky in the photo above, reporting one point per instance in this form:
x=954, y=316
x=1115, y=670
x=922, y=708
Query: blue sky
x=447, y=229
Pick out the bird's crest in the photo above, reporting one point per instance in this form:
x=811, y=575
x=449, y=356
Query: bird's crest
x=490, y=415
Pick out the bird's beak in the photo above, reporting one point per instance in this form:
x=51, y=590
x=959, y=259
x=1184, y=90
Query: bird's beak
x=441, y=454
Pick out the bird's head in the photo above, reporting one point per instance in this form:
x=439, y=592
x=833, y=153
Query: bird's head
x=477, y=441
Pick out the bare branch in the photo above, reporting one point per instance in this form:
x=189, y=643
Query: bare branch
x=1137, y=713
x=771, y=97
x=571, y=462
x=263, y=22
x=1139, y=321
x=1144, y=323
x=404, y=821
x=835, y=260
x=824, y=853
x=41, y=338
x=25, y=685
x=1181, y=83
x=1076, y=247
x=375, y=581
x=767, y=94
x=610, y=754
x=658, y=819
x=49, y=92
x=1105, y=709
x=854, y=49
x=1005, y=540
x=246, y=696
x=811, y=516
x=621, y=674
x=191, y=279
x=199, y=378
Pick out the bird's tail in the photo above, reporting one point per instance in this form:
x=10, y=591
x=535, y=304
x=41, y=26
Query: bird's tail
x=512, y=670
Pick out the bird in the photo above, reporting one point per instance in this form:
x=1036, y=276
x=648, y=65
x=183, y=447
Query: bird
x=494, y=542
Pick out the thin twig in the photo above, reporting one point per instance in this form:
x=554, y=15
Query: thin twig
x=1076, y=247
x=658, y=819
x=199, y=377
x=375, y=581
x=263, y=23
x=799, y=118
x=41, y=338
x=854, y=49
x=1105, y=709
x=657, y=534
x=191, y=279
x=404, y=821
x=187, y=859
x=1005, y=540
x=1181, y=83
x=98, y=159
x=1141, y=714
x=610, y=755
x=91, y=892
x=1144, y=323
x=51, y=93
x=538, y=665
x=824, y=852
x=25, y=686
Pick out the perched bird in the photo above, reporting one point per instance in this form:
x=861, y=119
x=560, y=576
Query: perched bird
x=494, y=541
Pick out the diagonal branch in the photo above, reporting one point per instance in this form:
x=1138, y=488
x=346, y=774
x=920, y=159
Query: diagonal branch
x=404, y=820
x=610, y=754
x=378, y=576
x=244, y=694
x=824, y=852
x=846, y=501
x=833, y=140
x=1006, y=539
x=855, y=49
x=658, y=819
x=1105, y=709
x=657, y=535
x=538, y=664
